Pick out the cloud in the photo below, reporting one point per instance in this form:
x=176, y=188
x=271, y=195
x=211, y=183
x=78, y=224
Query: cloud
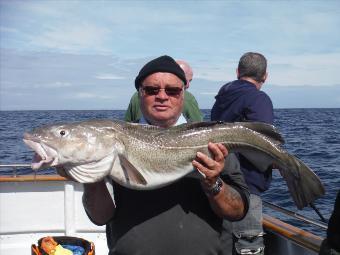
x=57, y=84
x=72, y=37
x=304, y=69
x=109, y=77
x=300, y=97
x=284, y=70
x=208, y=93
x=8, y=30
x=87, y=95
x=215, y=71
x=80, y=45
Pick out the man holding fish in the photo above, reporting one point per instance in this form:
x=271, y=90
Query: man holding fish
x=182, y=218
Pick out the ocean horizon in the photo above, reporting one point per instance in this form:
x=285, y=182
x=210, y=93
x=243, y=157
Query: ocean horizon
x=311, y=134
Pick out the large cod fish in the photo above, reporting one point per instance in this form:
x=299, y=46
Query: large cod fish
x=147, y=157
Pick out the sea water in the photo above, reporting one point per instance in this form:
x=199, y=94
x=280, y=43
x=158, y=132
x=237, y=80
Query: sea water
x=313, y=135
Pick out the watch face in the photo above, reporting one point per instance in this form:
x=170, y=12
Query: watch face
x=216, y=188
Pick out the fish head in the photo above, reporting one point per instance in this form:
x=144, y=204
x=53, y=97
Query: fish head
x=68, y=145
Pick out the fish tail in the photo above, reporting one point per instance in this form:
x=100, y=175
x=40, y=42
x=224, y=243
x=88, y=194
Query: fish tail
x=304, y=185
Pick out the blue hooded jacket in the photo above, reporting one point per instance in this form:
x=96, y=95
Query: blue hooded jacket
x=240, y=100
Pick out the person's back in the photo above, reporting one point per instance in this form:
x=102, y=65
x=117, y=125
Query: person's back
x=242, y=100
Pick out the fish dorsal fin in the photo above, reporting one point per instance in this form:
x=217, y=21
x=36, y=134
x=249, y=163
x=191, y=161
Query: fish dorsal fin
x=260, y=127
x=131, y=173
x=190, y=125
x=265, y=129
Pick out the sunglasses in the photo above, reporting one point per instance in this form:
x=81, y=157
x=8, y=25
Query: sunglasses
x=170, y=91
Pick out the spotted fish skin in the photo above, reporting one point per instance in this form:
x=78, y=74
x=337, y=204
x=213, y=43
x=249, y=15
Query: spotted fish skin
x=147, y=157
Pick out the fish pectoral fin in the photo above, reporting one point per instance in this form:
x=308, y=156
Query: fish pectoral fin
x=130, y=171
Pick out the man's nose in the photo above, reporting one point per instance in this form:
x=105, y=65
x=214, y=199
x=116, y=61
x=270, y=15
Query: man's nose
x=162, y=94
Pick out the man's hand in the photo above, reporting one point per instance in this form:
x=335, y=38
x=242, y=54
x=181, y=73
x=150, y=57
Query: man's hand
x=227, y=202
x=211, y=167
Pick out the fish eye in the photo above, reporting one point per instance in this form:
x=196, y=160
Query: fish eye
x=62, y=132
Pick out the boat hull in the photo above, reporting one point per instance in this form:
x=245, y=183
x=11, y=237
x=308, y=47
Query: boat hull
x=32, y=207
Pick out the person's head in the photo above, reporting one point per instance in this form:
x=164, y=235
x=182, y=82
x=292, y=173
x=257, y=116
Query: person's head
x=187, y=70
x=160, y=84
x=253, y=66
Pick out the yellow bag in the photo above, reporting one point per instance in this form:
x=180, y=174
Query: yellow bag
x=50, y=243
x=59, y=250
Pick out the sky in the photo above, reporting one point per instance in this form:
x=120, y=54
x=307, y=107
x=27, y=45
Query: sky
x=68, y=55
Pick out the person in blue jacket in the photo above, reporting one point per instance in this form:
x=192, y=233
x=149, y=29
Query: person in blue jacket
x=242, y=100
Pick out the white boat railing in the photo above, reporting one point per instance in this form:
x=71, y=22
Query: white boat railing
x=272, y=206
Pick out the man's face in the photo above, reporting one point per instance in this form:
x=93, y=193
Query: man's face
x=188, y=76
x=188, y=72
x=162, y=96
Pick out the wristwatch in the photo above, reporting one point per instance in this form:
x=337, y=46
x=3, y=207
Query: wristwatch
x=216, y=188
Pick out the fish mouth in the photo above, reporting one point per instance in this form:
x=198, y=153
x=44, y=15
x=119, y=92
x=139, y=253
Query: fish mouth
x=44, y=155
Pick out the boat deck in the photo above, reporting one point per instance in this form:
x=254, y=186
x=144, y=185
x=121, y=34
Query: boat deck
x=32, y=207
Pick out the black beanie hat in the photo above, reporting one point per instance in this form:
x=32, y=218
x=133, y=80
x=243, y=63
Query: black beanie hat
x=164, y=64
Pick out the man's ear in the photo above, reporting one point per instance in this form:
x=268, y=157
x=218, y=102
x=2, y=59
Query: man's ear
x=237, y=73
x=186, y=86
x=265, y=77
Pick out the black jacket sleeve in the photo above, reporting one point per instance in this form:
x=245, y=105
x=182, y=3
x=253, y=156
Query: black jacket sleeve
x=233, y=176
